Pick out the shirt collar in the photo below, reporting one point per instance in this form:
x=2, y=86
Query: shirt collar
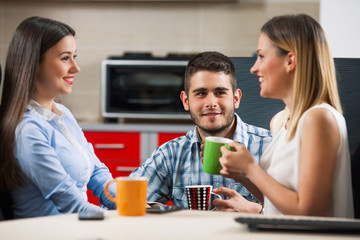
x=46, y=114
x=240, y=129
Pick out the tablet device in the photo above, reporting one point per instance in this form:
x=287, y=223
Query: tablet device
x=163, y=209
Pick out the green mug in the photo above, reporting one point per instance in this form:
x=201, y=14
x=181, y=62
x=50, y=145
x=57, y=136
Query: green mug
x=212, y=153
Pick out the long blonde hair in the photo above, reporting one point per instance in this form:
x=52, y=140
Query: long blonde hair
x=315, y=76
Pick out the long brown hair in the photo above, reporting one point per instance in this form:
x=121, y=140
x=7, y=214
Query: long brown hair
x=32, y=38
x=315, y=77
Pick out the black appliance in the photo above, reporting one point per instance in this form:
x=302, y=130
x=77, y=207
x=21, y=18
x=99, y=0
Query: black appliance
x=138, y=85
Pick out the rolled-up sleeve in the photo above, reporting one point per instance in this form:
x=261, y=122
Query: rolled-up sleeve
x=156, y=170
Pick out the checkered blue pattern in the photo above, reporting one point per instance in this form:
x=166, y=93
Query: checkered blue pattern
x=176, y=164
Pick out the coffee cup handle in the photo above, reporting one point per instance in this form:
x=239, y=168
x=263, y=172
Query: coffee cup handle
x=218, y=197
x=228, y=147
x=107, y=193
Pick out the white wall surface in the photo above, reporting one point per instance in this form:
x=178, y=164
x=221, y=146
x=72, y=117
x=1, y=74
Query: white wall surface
x=341, y=20
x=112, y=28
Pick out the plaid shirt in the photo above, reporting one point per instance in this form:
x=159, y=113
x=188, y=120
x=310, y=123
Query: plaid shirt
x=176, y=164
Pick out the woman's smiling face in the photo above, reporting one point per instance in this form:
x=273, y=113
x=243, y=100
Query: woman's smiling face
x=272, y=70
x=55, y=74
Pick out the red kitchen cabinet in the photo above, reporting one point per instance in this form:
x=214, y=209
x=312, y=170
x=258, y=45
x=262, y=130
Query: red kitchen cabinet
x=122, y=148
x=164, y=137
x=119, y=151
x=116, y=145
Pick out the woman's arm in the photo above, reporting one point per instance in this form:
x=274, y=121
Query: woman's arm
x=100, y=176
x=233, y=161
x=38, y=158
x=318, y=150
x=235, y=202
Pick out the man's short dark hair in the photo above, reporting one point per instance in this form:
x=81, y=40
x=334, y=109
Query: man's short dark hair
x=212, y=62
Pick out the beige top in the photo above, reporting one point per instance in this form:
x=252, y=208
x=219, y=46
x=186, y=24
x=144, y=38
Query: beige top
x=281, y=161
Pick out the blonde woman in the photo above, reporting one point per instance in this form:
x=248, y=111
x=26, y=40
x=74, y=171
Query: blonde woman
x=306, y=168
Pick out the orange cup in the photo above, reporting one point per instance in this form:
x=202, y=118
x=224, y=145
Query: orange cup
x=130, y=196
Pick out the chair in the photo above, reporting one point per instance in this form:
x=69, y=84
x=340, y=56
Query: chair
x=6, y=211
x=6, y=206
x=355, y=169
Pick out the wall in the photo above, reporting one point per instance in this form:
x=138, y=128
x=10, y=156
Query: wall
x=340, y=21
x=111, y=28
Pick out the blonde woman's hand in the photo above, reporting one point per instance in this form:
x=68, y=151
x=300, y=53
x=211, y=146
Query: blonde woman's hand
x=236, y=163
x=235, y=203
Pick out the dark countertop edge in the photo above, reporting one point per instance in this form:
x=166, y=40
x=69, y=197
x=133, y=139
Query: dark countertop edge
x=109, y=127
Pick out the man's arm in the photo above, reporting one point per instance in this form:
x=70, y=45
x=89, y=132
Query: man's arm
x=158, y=173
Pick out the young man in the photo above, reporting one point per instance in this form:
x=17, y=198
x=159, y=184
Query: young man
x=211, y=96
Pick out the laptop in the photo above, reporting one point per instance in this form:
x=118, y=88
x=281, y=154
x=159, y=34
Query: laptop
x=299, y=223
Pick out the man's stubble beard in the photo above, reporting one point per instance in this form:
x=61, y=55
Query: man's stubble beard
x=229, y=118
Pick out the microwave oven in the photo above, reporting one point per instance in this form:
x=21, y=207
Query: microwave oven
x=142, y=88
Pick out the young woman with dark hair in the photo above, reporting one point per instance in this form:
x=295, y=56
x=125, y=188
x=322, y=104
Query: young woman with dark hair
x=46, y=162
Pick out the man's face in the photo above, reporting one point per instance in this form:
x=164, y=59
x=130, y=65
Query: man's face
x=211, y=102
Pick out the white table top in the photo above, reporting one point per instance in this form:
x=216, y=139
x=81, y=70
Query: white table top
x=185, y=225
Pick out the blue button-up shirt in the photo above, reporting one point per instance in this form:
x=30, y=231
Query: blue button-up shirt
x=176, y=164
x=59, y=165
